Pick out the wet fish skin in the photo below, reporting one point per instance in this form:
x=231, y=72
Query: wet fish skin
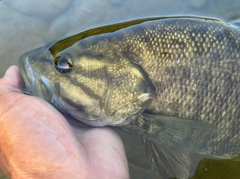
x=182, y=67
x=194, y=67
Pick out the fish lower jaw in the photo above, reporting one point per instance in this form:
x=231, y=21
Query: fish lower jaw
x=100, y=121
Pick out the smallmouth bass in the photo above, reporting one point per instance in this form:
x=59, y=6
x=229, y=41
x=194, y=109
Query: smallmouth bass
x=174, y=81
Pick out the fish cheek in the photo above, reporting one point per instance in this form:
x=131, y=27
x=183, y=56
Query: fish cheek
x=82, y=91
x=129, y=92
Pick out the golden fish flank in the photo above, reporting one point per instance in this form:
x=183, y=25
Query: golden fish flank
x=174, y=81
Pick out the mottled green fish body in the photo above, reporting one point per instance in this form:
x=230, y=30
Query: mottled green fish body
x=137, y=73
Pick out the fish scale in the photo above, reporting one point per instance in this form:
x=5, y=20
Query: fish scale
x=207, y=78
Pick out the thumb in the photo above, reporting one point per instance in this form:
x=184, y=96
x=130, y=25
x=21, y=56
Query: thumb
x=12, y=80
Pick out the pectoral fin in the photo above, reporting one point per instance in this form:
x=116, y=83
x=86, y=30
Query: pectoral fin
x=167, y=162
x=185, y=134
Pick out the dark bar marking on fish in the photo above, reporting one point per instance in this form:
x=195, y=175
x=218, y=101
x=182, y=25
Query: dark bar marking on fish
x=87, y=90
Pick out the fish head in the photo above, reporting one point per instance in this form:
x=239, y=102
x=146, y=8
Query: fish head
x=87, y=85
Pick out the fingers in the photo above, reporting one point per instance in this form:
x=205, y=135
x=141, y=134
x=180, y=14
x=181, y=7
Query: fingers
x=106, y=152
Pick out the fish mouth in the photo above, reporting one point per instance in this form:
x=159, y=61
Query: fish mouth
x=34, y=83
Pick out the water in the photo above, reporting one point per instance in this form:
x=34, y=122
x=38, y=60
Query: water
x=27, y=24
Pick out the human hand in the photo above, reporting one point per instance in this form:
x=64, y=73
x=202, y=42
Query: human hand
x=36, y=141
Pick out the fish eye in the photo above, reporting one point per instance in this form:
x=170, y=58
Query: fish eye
x=63, y=64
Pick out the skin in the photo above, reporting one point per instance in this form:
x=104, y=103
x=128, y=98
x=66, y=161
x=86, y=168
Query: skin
x=36, y=141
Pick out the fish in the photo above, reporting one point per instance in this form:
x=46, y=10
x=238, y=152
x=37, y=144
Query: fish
x=174, y=81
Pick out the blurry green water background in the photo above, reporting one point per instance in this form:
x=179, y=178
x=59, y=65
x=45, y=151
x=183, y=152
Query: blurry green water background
x=28, y=24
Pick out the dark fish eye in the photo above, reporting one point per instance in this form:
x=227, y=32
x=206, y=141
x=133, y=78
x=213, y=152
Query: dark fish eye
x=63, y=64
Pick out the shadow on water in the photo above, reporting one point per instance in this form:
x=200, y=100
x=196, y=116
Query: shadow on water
x=25, y=28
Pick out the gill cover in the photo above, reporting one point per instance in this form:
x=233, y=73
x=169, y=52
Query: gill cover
x=129, y=92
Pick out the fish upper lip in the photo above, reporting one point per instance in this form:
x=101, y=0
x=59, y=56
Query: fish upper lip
x=27, y=73
x=30, y=76
x=30, y=73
